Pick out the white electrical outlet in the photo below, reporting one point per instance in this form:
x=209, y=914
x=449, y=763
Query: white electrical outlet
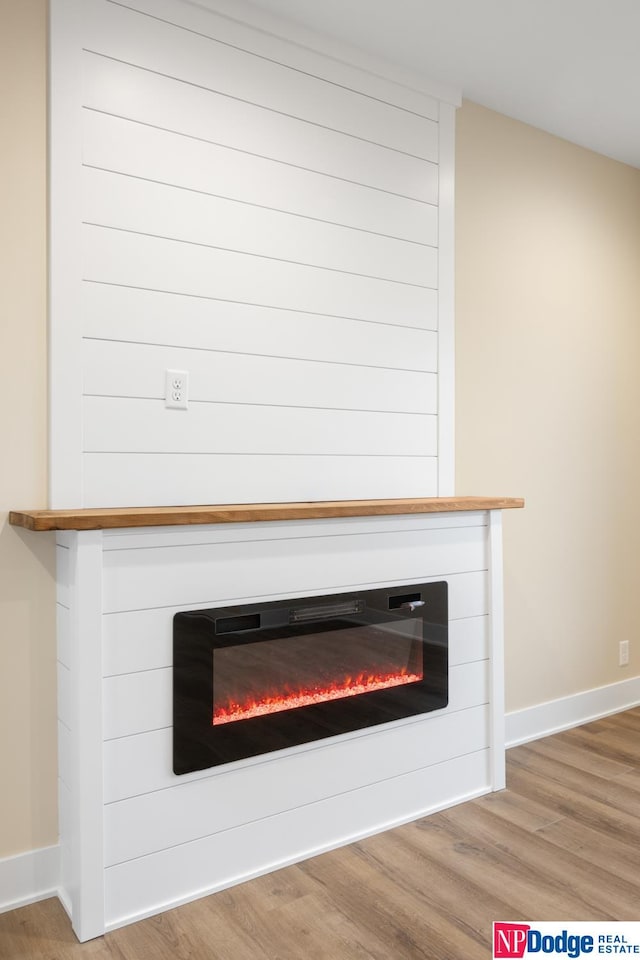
x=623, y=653
x=176, y=389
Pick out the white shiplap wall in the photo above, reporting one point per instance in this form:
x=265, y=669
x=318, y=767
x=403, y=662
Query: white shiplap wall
x=232, y=203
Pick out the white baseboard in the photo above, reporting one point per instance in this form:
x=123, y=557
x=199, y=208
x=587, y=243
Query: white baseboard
x=29, y=877
x=547, y=718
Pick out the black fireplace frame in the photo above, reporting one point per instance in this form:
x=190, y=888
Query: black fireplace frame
x=198, y=744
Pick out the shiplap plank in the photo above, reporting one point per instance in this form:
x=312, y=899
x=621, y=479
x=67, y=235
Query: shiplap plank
x=137, y=258
x=142, y=206
x=468, y=640
x=187, y=534
x=250, y=33
x=191, y=869
x=127, y=147
x=127, y=91
x=202, y=61
x=113, y=369
x=129, y=259
x=468, y=595
x=188, y=575
x=145, y=824
x=116, y=424
x=143, y=763
x=176, y=319
x=135, y=703
x=122, y=480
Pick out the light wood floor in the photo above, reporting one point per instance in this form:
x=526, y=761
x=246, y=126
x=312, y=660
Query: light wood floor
x=561, y=843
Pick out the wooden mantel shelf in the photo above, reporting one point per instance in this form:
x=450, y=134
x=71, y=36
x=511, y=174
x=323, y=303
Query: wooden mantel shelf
x=112, y=517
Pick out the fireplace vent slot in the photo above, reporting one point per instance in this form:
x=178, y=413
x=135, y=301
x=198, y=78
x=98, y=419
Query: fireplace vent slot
x=405, y=600
x=327, y=611
x=236, y=624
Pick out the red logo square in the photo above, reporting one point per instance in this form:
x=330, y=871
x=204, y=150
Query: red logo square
x=509, y=939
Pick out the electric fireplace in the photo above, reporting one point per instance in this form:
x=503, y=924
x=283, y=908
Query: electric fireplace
x=252, y=679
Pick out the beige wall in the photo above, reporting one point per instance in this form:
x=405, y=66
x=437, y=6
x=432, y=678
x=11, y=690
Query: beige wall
x=548, y=393
x=28, y=817
x=548, y=298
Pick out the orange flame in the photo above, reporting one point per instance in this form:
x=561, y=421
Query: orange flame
x=349, y=687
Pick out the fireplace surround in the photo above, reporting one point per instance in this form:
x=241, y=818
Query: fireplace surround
x=257, y=678
x=137, y=839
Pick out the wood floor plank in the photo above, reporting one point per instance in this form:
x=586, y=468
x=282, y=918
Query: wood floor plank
x=562, y=842
x=583, y=810
x=394, y=915
x=443, y=889
x=565, y=750
x=618, y=721
x=601, y=895
x=532, y=894
x=606, y=854
x=620, y=793
x=614, y=743
x=521, y=811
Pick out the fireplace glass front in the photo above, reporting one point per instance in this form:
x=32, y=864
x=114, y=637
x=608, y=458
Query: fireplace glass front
x=253, y=679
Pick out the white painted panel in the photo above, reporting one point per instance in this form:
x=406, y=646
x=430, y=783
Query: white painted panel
x=182, y=320
x=124, y=480
x=132, y=538
x=63, y=576
x=247, y=27
x=468, y=640
x=64, y=754
x=496, y=640
x=193, y=869
x=469, y=595
x=189, y=811
x=129, y=92
x=142, y=639
x=138, y=702
x=140, y=579
x=85, y=722
x=138, y=370
x=63, y=141
x=121, y=425
x=63, y=634
x=446, y=297
x=142, y=206
x=138, y=640
x=66, y=882
x=143, y=763
x=203, y=62
x=114, y=256
x=468, y=685
x=65, y=707
x=128, y=147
